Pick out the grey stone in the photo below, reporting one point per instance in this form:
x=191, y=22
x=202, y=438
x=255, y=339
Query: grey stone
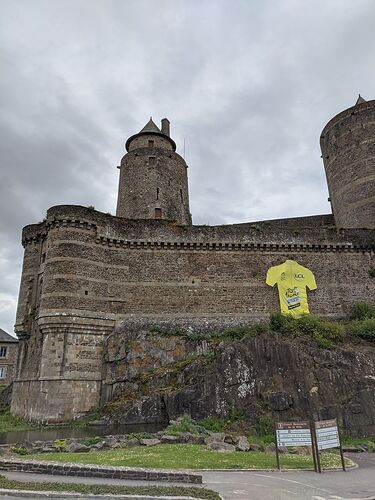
x=77, y=448
x=215, y=437
x=131, y=443
x=150, y=442
x=270, y=448
x=221, y=446
x=167, y=438
x=242, y=444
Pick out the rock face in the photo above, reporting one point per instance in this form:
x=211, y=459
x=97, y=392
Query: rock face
x=286, y=379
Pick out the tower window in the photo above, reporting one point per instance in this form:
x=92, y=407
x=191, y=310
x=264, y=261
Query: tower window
x=3, y=352
x=86, y=292
x=157, y=213
x=157, y=193
x=2, y=372
x=181, y=196
x=150, y=143
x=152, y=161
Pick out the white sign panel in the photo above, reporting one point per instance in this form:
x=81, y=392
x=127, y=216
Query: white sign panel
x=327, y=434
x=293, y=434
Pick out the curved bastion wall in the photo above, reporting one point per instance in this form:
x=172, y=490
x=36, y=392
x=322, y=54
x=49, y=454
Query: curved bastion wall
x=85, y=272
x=348, y=151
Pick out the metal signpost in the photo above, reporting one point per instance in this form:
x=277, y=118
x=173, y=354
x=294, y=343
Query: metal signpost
x=319, y=435
x=293, y=434
x=328, y=436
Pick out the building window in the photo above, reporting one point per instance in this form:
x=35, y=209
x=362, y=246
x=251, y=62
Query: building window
x=152, y=161
x=150, y=143
x=157, y=193
x=43, y=257
x=2, y=373
x=3, y=352
x=157, y=213
x=182, y=198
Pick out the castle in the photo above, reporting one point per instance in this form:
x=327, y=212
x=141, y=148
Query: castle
x=85, y=273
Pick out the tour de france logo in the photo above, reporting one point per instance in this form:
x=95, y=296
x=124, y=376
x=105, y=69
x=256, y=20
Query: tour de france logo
x=292, y=281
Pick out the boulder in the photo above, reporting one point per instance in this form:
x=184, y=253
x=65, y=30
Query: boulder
x=215, y=437
x=111, y=441
x=132, y=443
x=270, y=448
x=255, y=447
x=193, y=438
x=98, y=446
x=242, y=443
x=168, y=439
x=77, y=448
x=150, y=442
x=230, y=439
x=221, y=447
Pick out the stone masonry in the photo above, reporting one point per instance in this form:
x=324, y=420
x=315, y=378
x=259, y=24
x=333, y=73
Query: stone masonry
x=86, y=272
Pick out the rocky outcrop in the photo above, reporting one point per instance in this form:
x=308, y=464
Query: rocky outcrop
x=154, y=376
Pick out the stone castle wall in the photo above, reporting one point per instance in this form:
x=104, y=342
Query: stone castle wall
x=84, y=272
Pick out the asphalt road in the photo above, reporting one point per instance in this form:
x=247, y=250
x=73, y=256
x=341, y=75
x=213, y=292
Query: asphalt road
x=353, y=484
x=334, y=485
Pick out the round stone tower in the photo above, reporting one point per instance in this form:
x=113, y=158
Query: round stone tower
x=348, y=150
x=153, y=177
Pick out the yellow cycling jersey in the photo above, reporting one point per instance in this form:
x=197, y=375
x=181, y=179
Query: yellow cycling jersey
x=292, y=280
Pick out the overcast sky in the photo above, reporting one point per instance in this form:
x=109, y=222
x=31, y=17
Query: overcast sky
x=249, y=84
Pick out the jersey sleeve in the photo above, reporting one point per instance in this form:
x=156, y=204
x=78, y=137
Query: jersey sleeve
x=271, y=278
x=310, y=281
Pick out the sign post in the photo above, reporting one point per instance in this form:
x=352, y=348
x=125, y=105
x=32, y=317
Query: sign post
x=292, y=434
x=327, y=436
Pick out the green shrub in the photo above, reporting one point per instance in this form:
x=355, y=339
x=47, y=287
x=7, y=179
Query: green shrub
x=324, y=333
x=90, y=441
x=264, y=426
x=362, y=310
x=364, y=329
x=60, y=444
x=20, y=450
x=212, y=424
x=184, y=423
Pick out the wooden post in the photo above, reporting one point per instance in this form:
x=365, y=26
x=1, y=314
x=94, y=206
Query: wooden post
x=341, y=452
x=313, y=446
x=277, y=451
x=315, y=441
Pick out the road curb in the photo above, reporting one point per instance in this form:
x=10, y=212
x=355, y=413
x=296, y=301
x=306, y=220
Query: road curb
x=98, y=471
x=71, y=495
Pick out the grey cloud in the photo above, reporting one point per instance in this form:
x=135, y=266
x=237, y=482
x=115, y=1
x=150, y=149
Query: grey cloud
x=248, y=85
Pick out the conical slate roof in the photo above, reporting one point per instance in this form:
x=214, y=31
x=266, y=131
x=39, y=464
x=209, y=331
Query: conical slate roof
x=150, y=127
x=360, y=100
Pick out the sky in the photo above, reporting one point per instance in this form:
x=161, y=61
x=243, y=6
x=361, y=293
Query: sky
x=247, y=84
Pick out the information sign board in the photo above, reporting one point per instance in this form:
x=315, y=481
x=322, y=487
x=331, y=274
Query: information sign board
x=293, y=434
x=327, y=434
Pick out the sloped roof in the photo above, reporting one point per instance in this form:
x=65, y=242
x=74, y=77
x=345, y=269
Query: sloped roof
x=5, y=337
x=360, y=100
x=150, y=127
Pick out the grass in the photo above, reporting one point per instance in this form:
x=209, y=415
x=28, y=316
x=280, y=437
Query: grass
x=355, y=441
x=10, y=423
x=188, y=456
x=102, y=489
